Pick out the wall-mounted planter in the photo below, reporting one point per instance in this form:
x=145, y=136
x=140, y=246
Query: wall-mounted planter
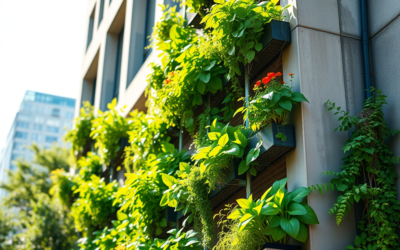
x=233, y=182
x=275, y=38
x=272, y=147
x=170, y=215
x=273, y=246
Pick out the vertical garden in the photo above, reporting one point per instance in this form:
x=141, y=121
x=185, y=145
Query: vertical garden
x=138, y=187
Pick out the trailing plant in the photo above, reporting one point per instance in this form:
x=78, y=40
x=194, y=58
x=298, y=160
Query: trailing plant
x=161, y=31
x=276, y=217
x=367, y=176
x=271, y=103
x=195, y=6
x=188, y=193
x=237, y=26
x=63, y=186
x=178, y=240
x=108, y=130
x=94, y=207
x=79, y=136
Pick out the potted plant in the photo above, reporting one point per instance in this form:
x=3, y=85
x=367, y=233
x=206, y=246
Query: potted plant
x=272, y=220
x=267, y=113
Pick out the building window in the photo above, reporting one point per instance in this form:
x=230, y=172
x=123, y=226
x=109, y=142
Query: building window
x=13, y=167
x=22, y=125
x=101, y=13
x=90, y=28
x=35, y=137
x=53, y=122
x=118, y=64
x=52, y=129
x=21, y=135
x=55, y=112
x=150, y=16
x=19, y=146
x=93, y=92
x=37, y=127
x=51, y=139
x=14, y=157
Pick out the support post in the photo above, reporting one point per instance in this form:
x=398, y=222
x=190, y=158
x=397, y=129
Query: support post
x=247, y=94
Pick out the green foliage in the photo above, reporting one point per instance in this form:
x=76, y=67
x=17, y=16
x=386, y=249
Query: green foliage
x=94, y=205
x=8, y=225
x=161, y=31
x=271, y=103
x=63, y=186
x=368, y=176
x=225, y=143
x=237, y=26
x=195, y=6
x=89, y=165
x=41, y=222
x=107, y=130
x=145, y=138
x=276, y=217
x=178, y=240
x=79, y=136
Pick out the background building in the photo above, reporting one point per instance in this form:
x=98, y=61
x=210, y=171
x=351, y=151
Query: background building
x=42, y=119
x=326, y=56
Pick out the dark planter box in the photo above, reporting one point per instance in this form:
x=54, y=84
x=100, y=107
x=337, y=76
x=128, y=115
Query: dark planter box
x=272, y=148
x=275, y=39
x=233, y=182
x=170, y=215
x=271, y=246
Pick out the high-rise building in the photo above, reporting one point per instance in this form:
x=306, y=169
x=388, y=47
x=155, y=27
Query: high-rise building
x=42, y=119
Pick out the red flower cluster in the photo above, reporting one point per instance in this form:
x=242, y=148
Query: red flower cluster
x=168, y=81
x=270, y=76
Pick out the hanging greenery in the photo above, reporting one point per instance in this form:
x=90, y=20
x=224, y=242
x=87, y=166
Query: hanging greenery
x=367, y=176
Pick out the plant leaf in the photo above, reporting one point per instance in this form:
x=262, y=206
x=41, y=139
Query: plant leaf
x=292, y=226
x=297, y=209
x=243, y=167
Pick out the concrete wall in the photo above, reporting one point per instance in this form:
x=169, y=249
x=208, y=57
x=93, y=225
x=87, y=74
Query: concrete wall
x=384, y=31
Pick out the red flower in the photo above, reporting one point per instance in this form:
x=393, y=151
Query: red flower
x=271, y=75
x=291, y=74
x=278, y=74
x=282, y=82
x=266, y=80
x=167, y=81
x=258, y=83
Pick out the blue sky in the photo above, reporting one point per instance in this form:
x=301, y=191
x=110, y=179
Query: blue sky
x=42, y=44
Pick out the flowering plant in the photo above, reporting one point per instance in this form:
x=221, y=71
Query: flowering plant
x=271, y=103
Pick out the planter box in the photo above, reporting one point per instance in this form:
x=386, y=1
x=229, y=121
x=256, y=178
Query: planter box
x=170, y=215
x=272, y=148
x=233, y=182
x=273, y=246
x=276, y=37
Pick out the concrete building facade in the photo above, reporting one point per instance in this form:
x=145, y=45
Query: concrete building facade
x=325, y=55
x=42, y=119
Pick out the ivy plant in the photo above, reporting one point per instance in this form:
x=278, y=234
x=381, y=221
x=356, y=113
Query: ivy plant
x=368, y=176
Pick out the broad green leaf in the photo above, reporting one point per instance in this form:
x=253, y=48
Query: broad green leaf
x=292, y=226
x=240, y=138
x=278, y=233
x=299, y=97
x=277, y=186
x=201, y=87
x=234, y=150
x=270, y=209
x=275, y=221
x=232, y=51
x=297, y=209
x=163, y=222
x=209, y=67
x=191, y=242
x=244, y=203
x=205, y=77
x=303, y=233
x=278, y=198
x=258, y=47
x=223, y=140
x=214, y=135
x=299, y=194
x=286, y=104
x=121, y=216
x=310, y=218
x=250, y=56
x=234, y=215
x=164, y=200
x=265, y=194
x=241, y=12
x=243, y=167
x=252, y=155
x=168, y=180
x=253, y=171
x=215, y=151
